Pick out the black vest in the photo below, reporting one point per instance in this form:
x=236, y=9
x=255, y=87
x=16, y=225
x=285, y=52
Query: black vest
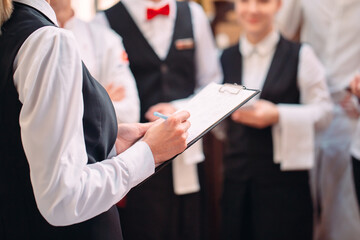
x=157, y=80
x=250, y=150
x=19, y=215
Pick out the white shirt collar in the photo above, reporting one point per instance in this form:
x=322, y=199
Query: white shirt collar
x=71, y=22
x=263, y=48
x=137, y=8
x=42, y=6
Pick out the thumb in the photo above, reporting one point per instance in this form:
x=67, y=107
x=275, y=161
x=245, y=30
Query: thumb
x=143, y=127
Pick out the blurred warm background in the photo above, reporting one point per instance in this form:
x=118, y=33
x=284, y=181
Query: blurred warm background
x=220, y=13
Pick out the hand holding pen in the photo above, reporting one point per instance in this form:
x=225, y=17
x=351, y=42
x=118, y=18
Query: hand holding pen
x=160, y=115
x=163, y=108
x=168, y=138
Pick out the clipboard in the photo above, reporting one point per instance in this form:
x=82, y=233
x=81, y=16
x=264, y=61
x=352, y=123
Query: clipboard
x=209, y=107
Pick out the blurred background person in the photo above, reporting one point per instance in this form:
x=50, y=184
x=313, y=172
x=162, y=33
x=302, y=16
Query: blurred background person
x=271, y=142
x=104, y=55
x=355, y=147
x=331, y=27
x=172, y=55
x=60, y=170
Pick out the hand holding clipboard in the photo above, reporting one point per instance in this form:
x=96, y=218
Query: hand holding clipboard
x=211, y=106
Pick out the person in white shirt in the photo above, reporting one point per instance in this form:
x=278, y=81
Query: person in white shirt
x=331, y=28
x=104, y=55
x=60, y=170
x=271, y=142
x=178, y=57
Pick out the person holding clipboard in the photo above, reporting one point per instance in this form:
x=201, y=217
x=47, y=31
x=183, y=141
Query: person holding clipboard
x=64, y=160
x=271, y=142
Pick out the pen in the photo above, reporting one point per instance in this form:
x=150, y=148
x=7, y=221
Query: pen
x=160, y=115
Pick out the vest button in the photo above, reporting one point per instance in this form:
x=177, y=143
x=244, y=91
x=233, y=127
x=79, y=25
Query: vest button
x=164, y=68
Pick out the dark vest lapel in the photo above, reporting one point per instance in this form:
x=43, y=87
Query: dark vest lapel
x=231, y=60
x=273, y=81
x=277, y=63
x=134, y=35
x=183, y=27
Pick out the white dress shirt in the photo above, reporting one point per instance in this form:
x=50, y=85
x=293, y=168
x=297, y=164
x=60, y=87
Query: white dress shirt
x=48, y=78
x=158, y=32
x=332, y=28
x=104, y=55
x=298, y=123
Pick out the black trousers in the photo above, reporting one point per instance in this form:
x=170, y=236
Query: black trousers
x=154, y=212
x=273, y=207
x=356, y=171
x=20, y=218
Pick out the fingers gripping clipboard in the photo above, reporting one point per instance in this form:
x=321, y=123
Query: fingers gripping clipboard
x=211, y=106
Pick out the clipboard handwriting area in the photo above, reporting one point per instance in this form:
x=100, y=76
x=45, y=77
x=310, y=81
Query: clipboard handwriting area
x=213, y=104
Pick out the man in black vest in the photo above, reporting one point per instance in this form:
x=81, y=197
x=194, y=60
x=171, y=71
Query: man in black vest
x=172, y=54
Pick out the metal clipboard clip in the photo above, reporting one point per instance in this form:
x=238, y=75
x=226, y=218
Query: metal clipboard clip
x=231, y=88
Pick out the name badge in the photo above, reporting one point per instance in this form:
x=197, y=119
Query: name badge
x=185, y=43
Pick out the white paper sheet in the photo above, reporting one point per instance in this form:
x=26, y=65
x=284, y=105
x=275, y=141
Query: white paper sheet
x=212, y=104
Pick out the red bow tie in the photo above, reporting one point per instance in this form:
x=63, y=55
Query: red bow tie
x=151, y=13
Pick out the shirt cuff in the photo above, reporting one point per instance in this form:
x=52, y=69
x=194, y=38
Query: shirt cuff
x=139, y=161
